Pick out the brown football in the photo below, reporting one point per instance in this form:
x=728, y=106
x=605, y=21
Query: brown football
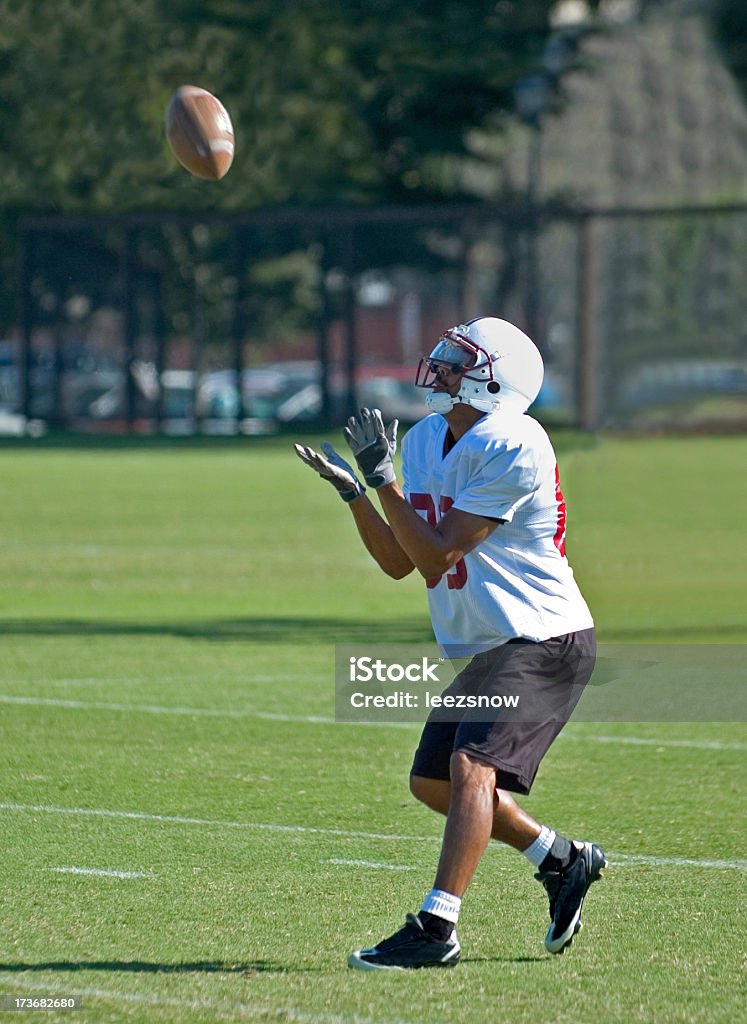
x=200, y=132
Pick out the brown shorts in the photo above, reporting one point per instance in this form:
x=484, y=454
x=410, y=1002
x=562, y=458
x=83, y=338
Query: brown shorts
x=479, y=716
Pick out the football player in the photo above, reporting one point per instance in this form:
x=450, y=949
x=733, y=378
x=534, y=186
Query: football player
x=481, y=516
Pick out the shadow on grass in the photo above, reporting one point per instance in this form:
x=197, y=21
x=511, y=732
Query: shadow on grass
x=271, y=630
x=247, y=968
x=415, y=629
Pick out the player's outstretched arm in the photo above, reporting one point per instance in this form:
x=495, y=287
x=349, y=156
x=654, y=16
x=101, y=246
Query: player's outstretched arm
x=374, y=531
x=380, y=541
x=433, y=550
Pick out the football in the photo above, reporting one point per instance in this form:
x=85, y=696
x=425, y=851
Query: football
x=199, y=132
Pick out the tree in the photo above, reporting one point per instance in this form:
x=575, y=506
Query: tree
x=333, y=100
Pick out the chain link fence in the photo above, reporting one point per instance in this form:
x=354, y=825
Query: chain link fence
x=250, y=323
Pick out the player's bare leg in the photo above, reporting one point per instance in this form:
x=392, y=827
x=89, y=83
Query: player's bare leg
x=474, y=812
x=511, y=824
x=566, y=869
x=469, y=823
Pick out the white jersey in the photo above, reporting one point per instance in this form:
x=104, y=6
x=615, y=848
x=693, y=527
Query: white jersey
x=517, y=582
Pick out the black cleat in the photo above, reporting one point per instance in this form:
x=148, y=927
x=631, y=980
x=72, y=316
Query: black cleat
x=566, y=890
x=409, y=948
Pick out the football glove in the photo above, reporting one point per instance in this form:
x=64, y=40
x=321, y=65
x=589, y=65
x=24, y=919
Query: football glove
x=373, y=446
x=334, y=468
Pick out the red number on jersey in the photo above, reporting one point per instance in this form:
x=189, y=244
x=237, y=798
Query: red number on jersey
x=559, y=538
x=457, y=578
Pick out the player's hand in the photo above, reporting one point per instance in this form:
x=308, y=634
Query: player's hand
x=334, y=468
x=373, y=446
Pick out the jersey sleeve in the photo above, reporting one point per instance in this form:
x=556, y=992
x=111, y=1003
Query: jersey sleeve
x=501, y=481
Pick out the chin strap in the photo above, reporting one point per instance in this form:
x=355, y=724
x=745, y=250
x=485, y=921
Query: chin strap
x=440, y=402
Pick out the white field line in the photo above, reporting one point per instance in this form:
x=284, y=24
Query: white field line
x=159, y=709
x=614, y=859
x=621, y=859
x=166, y=819
x=101, y=872
x=370, y=864
x=248, y=1011
x=97, y=705
x=284, y=677
x=651, y=741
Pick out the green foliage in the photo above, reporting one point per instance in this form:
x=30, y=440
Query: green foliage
x=331, y=100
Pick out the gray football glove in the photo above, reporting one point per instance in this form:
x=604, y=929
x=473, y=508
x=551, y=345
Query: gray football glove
x=373, y=446
x=334, y=468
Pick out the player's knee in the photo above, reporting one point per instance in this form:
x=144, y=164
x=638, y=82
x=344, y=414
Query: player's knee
x=467, y=771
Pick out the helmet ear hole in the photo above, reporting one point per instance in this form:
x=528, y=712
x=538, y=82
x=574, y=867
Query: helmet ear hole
x=493, y=387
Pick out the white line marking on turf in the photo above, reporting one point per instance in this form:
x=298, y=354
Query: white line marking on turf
x=159, y=709
x=371, y=864
x=650, y=741
x=280, y=677
x=96, y=705
x=621, y=859
x=101, y=872
x=252, y=1011
x=167, y=819
x=103, y=681
x=278, y=716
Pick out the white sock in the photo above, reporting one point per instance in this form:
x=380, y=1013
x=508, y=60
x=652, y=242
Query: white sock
x=442, y=904
x=539, y=849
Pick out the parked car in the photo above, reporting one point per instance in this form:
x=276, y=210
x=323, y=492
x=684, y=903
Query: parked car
x=292, y=393
x=273, y=395
x=664, y=382
x=67, y=390
x=296, y=396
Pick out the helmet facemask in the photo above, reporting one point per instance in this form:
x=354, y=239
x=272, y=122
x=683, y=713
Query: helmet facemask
x=459, y=354
x=500, y=367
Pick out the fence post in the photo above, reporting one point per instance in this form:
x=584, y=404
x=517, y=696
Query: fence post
x=25, y=316
x=128, y=314
x=159, y=327
x=60, y=415
x=237, y=322
x=322, y=329
x=588, y=350
x=351, y=334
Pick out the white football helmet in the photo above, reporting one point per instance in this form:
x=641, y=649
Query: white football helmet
x=501, y=367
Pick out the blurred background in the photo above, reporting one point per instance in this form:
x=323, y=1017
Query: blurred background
x=579, y=168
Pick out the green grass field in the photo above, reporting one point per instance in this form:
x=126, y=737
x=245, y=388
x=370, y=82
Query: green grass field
x=184, y=826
